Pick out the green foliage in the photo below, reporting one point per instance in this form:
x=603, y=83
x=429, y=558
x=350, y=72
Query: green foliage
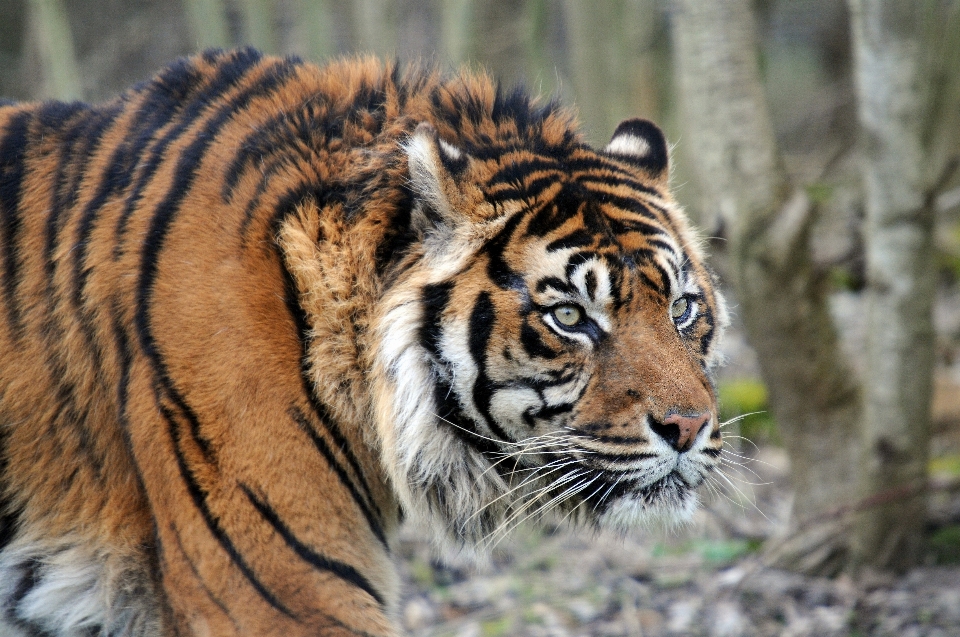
x=944, y=545
x=947, y=253
x=947, y=465
x=496, y=627
x=713, y=552
x=819, y=192
x=842, y=279
x=746, y=400
x=421, y=572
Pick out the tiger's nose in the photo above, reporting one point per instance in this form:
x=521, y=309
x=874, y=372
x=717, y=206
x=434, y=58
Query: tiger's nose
x=680, y=430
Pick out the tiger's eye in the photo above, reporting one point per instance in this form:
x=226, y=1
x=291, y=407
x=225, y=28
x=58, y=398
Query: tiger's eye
x=679, y=308
x=568, y=315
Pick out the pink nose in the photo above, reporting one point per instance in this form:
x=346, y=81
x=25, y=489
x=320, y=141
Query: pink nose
x=680, y=430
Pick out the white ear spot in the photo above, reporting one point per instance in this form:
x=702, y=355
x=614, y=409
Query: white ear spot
x=450, y=150
x=629, y=146
x=641, y=143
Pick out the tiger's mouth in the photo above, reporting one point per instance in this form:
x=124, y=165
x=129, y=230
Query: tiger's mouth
x=589, y=487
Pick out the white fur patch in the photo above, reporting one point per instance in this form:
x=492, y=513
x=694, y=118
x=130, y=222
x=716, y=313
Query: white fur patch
x=71, y=589
x=630, y=512
x=628, y=146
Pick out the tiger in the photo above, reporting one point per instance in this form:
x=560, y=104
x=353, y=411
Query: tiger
x=256, y=313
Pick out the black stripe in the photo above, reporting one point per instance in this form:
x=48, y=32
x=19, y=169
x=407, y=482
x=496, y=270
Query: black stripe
x=498, y=269
x=556, y=283
x=706, y=339
x=124, y=355
x=213, y=524
x=594, y=180
x=547, y=412
x=330, y=424
x=63, y=193
x=528, y=191
x=434, y=298
x=196, y=573
x=650, y=283
x=13, y=148
x=590, y=280
x=619, y=226
x=227, y=77
x=27, y=583
x=161, y=101
x=165, y=212
x=591, y=170
x=9, y=515
x=563, y=207
x=450, y=414
x=579, y=238
x=481, y=327
x=95, y=124
x=644, y=209
x=514, y=172
x=321, y=445
x=533, y=343
x=665, y=247
x=340, y=569
x=667, y=286
x=301, y=123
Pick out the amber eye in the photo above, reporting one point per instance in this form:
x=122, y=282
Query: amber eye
x=680, y=309
x=568, y=314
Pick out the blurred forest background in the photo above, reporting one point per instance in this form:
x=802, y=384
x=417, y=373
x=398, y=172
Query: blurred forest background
x=817, y=145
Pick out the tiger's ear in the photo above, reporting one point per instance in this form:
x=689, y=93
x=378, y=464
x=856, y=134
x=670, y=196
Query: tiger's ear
x=641, y=143
x=439, y=176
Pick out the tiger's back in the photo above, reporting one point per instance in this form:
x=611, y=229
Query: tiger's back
x=210, y=285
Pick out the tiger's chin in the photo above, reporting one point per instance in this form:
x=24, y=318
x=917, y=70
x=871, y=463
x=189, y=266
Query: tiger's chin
x=471, y=530
x=667, y=503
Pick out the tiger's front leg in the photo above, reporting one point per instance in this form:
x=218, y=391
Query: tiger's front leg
x=271, y=517
x=249, y=546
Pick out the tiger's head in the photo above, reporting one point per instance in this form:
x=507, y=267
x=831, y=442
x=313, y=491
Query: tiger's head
x=549, y=344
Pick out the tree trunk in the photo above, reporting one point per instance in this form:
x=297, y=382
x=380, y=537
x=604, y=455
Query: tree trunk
x=455, y=19
x=782, y=299
x=259, y=24
x=365, y=26
x=208, y=23
x=314, y=30
x=501, y=39
x=54, y=43
x=612, y=62
x=901, y=280
x=600, y=74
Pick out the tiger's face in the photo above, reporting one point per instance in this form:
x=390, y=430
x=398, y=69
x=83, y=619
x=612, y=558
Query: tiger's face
x=550, y=346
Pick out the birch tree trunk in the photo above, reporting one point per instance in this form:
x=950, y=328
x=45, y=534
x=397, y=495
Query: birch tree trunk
x=901, y=279
x=782, y=299
x=259, y=24
x=208, y=23
x=313, y=30
x=54, y=43
x=455, y=20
